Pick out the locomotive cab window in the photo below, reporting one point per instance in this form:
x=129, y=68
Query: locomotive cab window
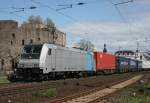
x=49, y=51
x=31, y=51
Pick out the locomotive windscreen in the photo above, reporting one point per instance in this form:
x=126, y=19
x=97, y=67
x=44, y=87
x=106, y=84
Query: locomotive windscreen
x=31, y=52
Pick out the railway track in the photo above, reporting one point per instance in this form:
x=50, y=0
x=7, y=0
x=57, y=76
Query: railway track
x=93, y=96
x=20, y=88
x=23, y=88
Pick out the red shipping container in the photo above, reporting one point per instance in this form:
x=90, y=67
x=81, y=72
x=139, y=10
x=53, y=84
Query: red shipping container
x=104, y=61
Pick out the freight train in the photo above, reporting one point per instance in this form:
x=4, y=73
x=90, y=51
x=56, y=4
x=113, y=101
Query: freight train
x=48, y=61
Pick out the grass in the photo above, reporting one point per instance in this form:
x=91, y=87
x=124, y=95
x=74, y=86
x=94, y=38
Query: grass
x=139, y=100
x=51, y=92
x=145, y=89
x=142, y=94
x=3, y=79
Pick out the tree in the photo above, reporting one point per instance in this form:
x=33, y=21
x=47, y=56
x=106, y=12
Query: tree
x=49, y=23
x=32, y=22
x=38, y=20
x=35, y=19
x=31, y=19
x=85, y=45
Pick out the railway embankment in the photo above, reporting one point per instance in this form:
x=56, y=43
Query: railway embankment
x=96, y=94
x=139, y=92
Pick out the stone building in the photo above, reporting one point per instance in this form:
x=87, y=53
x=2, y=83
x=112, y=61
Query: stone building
x=13, y=38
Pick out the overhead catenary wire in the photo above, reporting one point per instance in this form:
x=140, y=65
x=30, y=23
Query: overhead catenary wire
x=124, y=2
x=61, y=13
x=22, y=9
x=16, y=15
x=71, y=5
x=73, y=19
x=31, y=7
x=3, y=10
x=80, y=3
x=58, y=12
x=66, y=6
x=124, y=19
x=53, y=9
x=118, y=10
x=16, y=11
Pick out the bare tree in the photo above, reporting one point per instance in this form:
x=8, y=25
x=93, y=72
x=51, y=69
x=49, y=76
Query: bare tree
x=31, y=19
x=49, y=23
x=34, y=20
x=38, y=20
x=85, y=45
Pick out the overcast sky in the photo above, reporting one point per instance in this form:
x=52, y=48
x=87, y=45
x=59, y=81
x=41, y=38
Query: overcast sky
x=97, y=20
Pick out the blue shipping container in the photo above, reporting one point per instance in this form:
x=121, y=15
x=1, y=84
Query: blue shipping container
x=90, y=61
x=133, y=65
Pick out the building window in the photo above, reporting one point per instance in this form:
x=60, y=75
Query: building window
x=13, y=35
x=39, y=39
x=11, y=42
x=31, y=41
x=22, y=42
x=2, y=64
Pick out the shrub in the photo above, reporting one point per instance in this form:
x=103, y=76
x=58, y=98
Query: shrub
x=51, y=92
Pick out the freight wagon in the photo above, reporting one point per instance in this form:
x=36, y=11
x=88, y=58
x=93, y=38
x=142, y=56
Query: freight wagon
x=133, y=65
x=105, y=63
x=122, y=64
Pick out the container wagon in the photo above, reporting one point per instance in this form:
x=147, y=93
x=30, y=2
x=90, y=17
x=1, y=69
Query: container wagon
x=135, y=65
x=104, y=63
x=122, y=64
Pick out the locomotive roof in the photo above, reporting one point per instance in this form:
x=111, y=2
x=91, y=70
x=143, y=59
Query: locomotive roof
x=63, y=48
